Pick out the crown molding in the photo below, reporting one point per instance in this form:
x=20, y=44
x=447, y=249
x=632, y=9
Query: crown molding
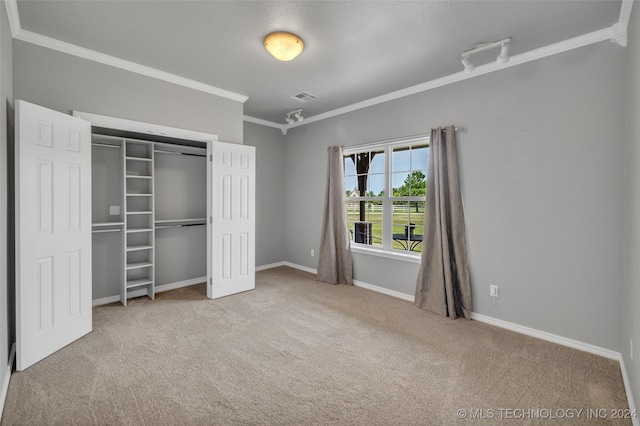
x=617, y=33
x=620, y=28
x=532, y=55
x=92, y=55
x=625, y=13
x=262, y=122
x=14, y=17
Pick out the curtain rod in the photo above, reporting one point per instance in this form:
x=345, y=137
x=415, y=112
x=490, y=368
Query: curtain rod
x=407, y=139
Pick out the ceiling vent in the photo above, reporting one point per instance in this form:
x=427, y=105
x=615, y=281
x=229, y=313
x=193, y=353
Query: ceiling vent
x=304, y=97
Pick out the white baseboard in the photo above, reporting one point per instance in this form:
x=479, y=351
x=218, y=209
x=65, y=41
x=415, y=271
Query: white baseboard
x=143, y=292
x=269, y=266
x=565, y=341
x=377, y=289
x=180, y=284
x=105, y=301
x=300, y=267
x=575, y=344
x=554, y=338
x=7, y=378
x=586, y=347
x=627, y=386
x=388, y=292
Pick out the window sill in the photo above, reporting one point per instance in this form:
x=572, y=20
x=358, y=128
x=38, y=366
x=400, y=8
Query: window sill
x=411, y=258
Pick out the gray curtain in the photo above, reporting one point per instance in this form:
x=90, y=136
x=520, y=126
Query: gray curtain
x=443, y=283
x=334, y=259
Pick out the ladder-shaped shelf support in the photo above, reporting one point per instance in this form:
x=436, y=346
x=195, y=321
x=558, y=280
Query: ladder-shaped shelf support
x=139, y=240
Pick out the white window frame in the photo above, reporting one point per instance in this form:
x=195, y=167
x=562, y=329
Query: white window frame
x=387, y=201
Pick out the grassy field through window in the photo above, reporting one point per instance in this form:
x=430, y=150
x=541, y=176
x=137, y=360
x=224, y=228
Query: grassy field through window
x=402, y=217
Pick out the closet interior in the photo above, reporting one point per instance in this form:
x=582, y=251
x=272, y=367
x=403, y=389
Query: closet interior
x=149, y=209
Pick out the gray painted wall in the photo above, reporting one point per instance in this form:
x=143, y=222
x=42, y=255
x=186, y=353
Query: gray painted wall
x=63, y=82
x=181, y=186
x=270, y=194
x=181, y=193
x=106, y=183
x=181, y=254
x=106, y=187
x=541, y=160
x=6, y=106
x=66, y=83
x=631, y=295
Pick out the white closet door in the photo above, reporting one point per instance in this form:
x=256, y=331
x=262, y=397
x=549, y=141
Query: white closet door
x=231, y=231
x=53, y=231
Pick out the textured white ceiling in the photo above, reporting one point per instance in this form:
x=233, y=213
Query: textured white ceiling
x=354, y=50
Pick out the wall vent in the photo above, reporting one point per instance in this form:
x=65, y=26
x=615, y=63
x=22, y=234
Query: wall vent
x=304, y=97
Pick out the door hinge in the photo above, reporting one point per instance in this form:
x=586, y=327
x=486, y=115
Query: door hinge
x=210, y=281
x=211, y=157
x=210, y=219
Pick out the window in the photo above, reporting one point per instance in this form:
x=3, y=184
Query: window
x=385, y=185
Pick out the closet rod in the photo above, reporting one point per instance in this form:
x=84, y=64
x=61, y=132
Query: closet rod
x=105, y=145
x=179, y=226
x=178, y=153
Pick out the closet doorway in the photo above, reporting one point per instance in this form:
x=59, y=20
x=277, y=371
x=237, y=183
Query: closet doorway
x=166, y=208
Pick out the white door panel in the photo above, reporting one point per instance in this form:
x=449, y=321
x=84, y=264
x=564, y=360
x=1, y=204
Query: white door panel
x=53, y=231
x=231, y=263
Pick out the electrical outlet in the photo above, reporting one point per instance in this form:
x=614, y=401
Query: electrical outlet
x=631, y=348
x=114, y=210
x=493, y=290
x=313, y=252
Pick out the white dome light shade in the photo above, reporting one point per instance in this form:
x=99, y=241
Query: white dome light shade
x=283, y=46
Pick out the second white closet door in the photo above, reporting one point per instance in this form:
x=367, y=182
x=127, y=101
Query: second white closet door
x=231, y=263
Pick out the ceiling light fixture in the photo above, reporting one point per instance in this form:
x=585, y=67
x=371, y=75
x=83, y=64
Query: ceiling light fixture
x=502, y=58
x=297, y=116
x=283, y=46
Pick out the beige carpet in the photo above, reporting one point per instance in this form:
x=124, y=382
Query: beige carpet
x=295, y=351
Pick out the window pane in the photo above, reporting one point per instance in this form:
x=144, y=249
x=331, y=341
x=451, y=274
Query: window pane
x=349, y=166
x=350, y=185
x=409, y=171
x=401, y=159
x=377, y=162
x=416, y=216
x=418, y=184
x=400, y=184
x=400, y=216
x=400, y=222
x=376, y=185
x=408, y=225
x=419, y=157
x=360, y=188
x=369, y=169
x=365, y=222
